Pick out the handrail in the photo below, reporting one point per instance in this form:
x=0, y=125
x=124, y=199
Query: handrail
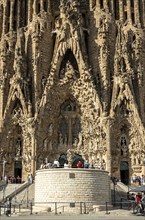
x=18, y=190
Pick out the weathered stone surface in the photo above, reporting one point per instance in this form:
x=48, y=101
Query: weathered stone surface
x=72, y=78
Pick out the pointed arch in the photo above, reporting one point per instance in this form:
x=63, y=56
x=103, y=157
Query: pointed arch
x=68, y=57
x=15, y=94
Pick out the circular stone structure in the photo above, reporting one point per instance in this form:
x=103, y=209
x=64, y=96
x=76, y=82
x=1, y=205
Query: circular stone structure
x=71, y=187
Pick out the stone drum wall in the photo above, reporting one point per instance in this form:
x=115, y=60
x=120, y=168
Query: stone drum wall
x=72, y=186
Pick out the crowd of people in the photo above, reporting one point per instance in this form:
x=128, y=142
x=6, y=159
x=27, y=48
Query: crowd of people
x=11, y=179
x=79, y=164
x=136, y=179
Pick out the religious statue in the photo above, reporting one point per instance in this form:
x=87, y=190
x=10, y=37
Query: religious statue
x=124, y=147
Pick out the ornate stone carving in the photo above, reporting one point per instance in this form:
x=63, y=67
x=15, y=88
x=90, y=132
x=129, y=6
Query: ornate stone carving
x=70, y=77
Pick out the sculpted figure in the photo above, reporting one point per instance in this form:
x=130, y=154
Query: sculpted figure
x=70, y=156
x=18, y=148
x=50, y=129
x=60, y=139
x=80, y=142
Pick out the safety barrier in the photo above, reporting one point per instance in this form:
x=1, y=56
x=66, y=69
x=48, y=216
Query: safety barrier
x=58, y=208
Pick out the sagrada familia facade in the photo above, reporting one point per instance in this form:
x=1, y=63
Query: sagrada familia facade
x=72, y=84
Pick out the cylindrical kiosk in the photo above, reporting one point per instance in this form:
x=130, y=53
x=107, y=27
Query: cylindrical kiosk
x=71, y=188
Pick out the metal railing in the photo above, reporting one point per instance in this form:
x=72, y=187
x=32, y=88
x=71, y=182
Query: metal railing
x=61, y=207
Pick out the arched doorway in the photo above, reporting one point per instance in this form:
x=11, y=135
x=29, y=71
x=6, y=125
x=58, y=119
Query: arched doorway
x=18, y=169
x=124, y=172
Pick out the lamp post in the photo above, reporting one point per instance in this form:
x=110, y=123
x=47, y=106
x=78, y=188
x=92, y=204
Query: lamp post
x=144, y=167
x=4, y=162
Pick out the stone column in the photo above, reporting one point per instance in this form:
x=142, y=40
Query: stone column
x=33, y=158
x=136, y=11
x=108, y=141
x=91, y=4
x=1, y=19
x=5, y=17
x=29, y=11
x=121, y=10
x=97, y=4
x=35, y=7
x=112, y=8
x=19, y=14
x=129, y=11
x=11, y=14
x=106, y=5
x=41, y=7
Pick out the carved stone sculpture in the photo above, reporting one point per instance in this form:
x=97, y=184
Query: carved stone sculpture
x=72, y=82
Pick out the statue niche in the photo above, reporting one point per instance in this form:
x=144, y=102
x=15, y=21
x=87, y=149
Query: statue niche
x=69, y=125
x=69, y=67
x=124, y=145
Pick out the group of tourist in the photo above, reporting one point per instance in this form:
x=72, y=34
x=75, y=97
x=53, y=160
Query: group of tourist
x=140, y=180
x=49, y=165
x=11, y=179
x=80, y=164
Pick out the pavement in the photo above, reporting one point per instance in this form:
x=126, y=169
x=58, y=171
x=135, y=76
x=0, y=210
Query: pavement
x=119, y=214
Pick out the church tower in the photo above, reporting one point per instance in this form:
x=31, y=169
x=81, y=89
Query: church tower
x=72, y=84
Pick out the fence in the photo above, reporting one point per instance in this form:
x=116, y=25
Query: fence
x=61, y=207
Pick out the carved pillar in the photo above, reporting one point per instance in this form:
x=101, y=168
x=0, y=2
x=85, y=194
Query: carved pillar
x=30, y=11
x=41, y=7
x=1, y=19
x=33, y=160
x=19, y=14
x=92, y=4
x=108, y=142
x=5, y=17
x=35, y=7
x=136, y=11
x=11, y=14
x=106, y=5
x=112, y=8
x=129, y=11
x=97, y=4
x=121, y=10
